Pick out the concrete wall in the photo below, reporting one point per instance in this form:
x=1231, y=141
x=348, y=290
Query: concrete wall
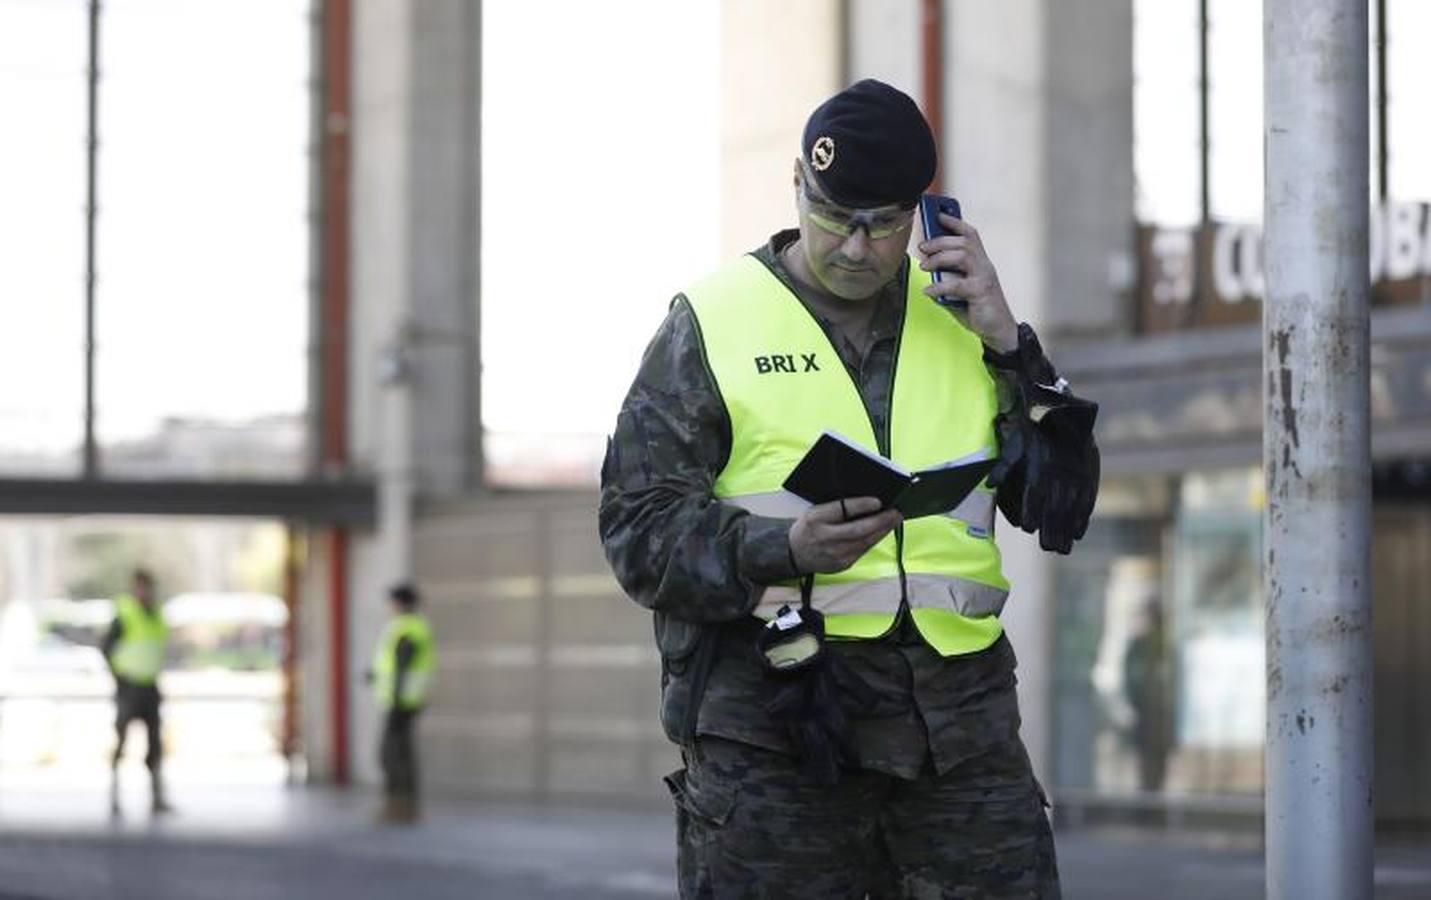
x=548, y=682
x=780, y=60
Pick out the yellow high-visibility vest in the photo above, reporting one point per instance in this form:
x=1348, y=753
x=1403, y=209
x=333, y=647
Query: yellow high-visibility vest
x=138, y=655
x=417, y=678
x=783, y=383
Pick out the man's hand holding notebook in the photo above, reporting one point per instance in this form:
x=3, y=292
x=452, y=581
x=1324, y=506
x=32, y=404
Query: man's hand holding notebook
x=836, y=468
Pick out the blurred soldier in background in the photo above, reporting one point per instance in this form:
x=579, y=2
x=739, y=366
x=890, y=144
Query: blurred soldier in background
x=1147, y=680
x=837, y=678
x=402, y=674
x=134, y=647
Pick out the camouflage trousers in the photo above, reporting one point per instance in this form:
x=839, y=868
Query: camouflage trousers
x=749, y=825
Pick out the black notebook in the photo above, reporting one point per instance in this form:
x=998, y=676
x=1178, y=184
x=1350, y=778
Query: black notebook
x=836, y=467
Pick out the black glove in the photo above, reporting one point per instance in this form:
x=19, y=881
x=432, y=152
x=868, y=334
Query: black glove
x=1061, y=474
x=1048, y=439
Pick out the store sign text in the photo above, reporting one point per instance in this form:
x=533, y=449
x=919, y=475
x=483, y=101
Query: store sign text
x=1219, y=267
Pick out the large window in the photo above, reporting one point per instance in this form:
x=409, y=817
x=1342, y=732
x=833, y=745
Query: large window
x=1235, y=92
x=1408, y=100
x=203, y=309
x=600, y=200
x=1165, y=111
x=1179, y=42
x=1198, y=158
x=43, y=55
x=1234, y=52
x=201, y=270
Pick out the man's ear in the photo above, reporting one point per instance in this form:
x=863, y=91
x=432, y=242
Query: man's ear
x=795, y=176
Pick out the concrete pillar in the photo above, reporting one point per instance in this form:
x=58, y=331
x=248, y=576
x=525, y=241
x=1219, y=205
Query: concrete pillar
x=993, y=161
x=883, y=42
x=442, y=235
x=315, y=658
x=413, y=368
x=1037, y=146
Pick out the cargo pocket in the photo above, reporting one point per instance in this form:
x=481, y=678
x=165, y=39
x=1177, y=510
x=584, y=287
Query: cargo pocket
x=686, y=653
x=1046, y=857
x=700, y=814
x=711, y=805
x=677, y=641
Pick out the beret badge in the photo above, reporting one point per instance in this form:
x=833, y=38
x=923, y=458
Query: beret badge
x=822, y=154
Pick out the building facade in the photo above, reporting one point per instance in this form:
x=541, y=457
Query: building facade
x=1141, y=662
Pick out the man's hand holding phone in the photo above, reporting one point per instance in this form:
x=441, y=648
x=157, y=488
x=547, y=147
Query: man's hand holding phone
x=968, y=286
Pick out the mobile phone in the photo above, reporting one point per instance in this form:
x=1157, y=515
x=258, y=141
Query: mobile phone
x=930, y=205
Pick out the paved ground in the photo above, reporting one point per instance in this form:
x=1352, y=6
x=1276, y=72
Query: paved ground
x=267, y=842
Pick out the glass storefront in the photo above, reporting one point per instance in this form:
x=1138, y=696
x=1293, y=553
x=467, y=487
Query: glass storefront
x=1160, y=681
x=1160, y=650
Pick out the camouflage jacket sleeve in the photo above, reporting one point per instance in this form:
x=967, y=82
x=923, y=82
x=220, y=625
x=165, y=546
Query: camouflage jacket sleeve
x=1010, y=491
x=673, y=546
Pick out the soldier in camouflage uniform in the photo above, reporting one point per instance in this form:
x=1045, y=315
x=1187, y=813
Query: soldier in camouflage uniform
x=935, y=796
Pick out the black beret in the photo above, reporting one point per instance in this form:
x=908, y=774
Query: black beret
x=869, y=146
x=404, y=593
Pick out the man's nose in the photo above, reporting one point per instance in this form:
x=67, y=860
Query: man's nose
x=857, y=245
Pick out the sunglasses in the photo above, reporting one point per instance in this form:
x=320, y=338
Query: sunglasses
x=842, y=221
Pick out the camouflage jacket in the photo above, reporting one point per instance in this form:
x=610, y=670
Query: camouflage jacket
x=698, y=562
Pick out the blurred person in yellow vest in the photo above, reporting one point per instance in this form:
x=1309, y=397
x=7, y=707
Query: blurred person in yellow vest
x=135, y=647
x=402, y=676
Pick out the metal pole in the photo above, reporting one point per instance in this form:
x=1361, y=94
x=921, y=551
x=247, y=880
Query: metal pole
x=1382, y=131
x=931, y=42
x=472, y=265
x=1317, y=452
x=1204, y=118
x=333, y=401
x=90, y=461
x=317, y=235
x=292, y=585
x=338, y=676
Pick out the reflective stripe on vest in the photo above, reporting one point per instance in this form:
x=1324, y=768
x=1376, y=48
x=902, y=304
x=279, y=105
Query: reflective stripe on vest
x=783, y=384
x=417, y=678
x=138, y=655
x=977, y=509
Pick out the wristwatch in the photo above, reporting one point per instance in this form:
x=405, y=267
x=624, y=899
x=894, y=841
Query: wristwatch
x=1027, y=360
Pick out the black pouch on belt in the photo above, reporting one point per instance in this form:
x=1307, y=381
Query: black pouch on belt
x=811, y=689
